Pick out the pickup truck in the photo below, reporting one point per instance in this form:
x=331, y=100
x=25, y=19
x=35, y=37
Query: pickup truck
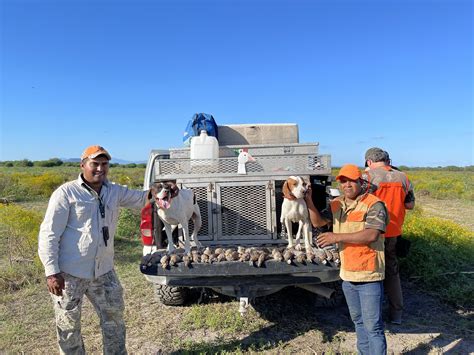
x=238, y=210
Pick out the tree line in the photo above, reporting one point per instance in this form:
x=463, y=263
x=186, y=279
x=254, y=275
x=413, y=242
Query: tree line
x=57, y=162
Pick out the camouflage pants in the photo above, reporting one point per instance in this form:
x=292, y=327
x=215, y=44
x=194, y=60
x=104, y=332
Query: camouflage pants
x=106, y=295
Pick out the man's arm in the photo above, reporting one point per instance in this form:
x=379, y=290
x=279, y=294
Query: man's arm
x=409, y=200
x=51, y=229
x=365, y=236
x=316, y=219
x=410, y=196
x=132, y=198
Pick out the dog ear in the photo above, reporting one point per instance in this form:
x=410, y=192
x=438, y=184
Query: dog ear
x=174, y=189
x=286, y=190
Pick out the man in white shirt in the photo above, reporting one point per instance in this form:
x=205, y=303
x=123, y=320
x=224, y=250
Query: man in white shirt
x=76, y=247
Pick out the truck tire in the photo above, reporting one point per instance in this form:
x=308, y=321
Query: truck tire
x=172, y=296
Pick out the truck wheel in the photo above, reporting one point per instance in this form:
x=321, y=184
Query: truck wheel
x=172, y=296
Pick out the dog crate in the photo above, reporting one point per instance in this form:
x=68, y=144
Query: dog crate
x=242, y=209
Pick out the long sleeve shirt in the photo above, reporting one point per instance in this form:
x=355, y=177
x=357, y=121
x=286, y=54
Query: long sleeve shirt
x=71, y=236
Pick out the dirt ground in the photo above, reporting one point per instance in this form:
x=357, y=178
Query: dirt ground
x=458, y=211
x=298, y=324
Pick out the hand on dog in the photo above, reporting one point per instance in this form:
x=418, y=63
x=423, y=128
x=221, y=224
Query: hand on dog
x=308, y=196
x=55, y=284
x=326, y=239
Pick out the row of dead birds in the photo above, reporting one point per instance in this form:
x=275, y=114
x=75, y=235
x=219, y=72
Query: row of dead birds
x=253, y=255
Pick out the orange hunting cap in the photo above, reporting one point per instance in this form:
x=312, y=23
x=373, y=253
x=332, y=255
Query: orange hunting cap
x=94, y=151
x=349, y=171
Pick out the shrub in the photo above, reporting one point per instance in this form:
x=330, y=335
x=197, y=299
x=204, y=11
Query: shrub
x=440, y=258
x=22, y=186
x=18, y=238
x=24, y=162
x=49, y=163
x=128, y=223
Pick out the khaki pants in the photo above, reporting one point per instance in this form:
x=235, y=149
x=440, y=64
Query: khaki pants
x=392, y=284
x=106, y=295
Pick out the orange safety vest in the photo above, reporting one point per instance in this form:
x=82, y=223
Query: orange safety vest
x=359, y=262
x=393, y=193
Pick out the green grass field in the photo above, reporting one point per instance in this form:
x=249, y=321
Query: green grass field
x=440, y=263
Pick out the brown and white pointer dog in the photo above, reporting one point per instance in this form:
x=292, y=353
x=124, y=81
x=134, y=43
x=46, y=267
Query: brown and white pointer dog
x=294, y=210
x=175, y=207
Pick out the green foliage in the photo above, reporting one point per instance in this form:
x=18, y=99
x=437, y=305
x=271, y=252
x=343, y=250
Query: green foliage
x=19, y=229
x=30, y=183
x=24, y=162
x=221, y=318
x=441, y=258
x=49, y=163
x=443, y=184
x=23, y=186
x=129, y=223
x=71, y=163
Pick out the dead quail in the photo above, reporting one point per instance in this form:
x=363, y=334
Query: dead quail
x=328, y=254
x=276, y=255
x=300, y=257
x=320, y=256
x=261, y=258
x=310, y=256
x=207, y=251
x=254, y=255
x=165, y=261
x=288, y=256
x=220, y=254
x=187, y=259
x=196, y=256
x=244, y=256
x=212, y=258
x=231, y=255
x=174, y=259
x=204, y=258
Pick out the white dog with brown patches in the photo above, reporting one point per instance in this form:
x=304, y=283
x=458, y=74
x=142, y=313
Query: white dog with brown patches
x=294, y=210
x=175, y=207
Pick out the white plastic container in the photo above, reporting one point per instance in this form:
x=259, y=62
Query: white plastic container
x=204, y=147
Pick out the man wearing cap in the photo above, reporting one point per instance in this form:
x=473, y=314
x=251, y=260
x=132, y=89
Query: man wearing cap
x=76, y=247
x=359, y=220
x=393, y=187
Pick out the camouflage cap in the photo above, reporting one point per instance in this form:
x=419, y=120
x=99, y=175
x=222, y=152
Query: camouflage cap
x=376, y=154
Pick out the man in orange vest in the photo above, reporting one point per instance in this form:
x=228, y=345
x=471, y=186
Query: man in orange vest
x=359, y=220
x=393, y=187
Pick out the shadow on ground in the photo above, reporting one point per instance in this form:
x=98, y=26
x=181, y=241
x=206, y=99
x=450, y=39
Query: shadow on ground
x=429, y=326
x=292, y=313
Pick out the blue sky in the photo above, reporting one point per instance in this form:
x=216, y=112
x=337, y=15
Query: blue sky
x=129, y=75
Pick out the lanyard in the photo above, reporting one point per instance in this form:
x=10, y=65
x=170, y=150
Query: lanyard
x=105, y=229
